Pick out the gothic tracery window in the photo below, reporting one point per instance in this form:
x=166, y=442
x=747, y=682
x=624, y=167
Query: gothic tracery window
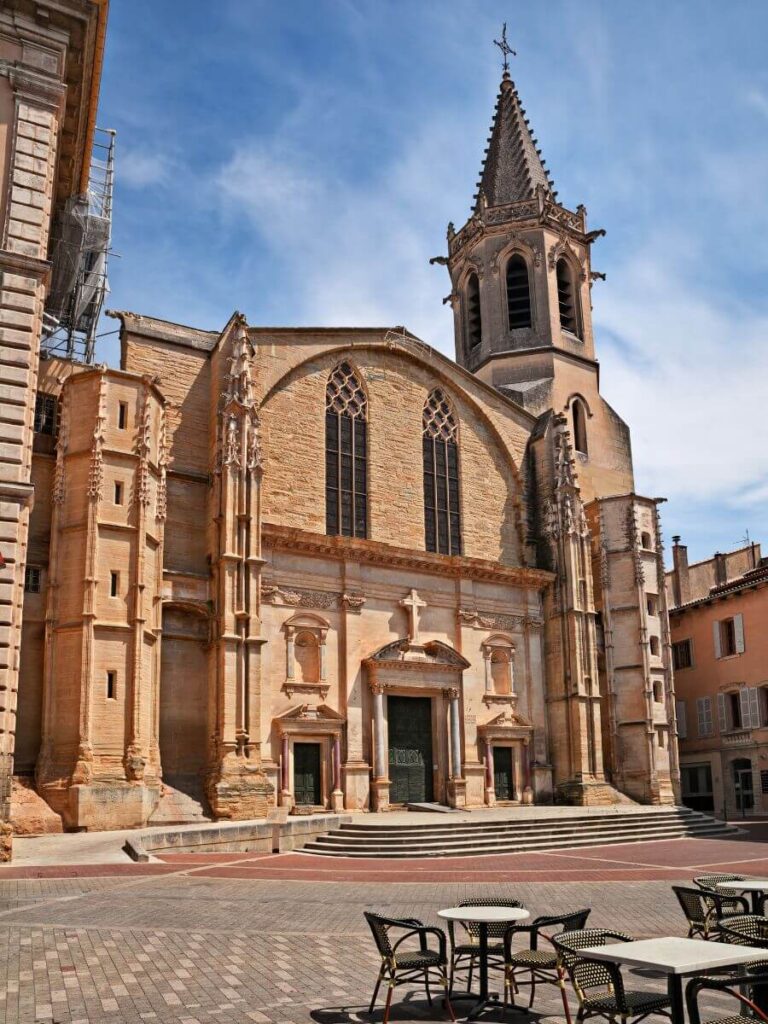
x=442, y=523
x=346, y=486
x=518, y=293
x=474, y=318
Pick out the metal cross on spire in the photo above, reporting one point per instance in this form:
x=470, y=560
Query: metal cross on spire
x=505, y=48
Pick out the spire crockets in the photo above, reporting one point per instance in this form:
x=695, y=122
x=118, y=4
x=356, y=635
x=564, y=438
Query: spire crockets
x=513, y=168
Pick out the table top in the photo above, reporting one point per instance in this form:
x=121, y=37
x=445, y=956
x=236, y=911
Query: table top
x=484, y=915
x=748, y=885
x=674, y=955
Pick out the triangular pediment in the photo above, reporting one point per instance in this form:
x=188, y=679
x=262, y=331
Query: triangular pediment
x=310, y=712
x=433, y=652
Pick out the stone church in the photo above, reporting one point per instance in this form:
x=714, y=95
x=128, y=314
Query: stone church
x=332, y=568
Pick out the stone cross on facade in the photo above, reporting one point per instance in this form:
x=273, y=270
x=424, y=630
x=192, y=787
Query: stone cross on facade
x=412, y=604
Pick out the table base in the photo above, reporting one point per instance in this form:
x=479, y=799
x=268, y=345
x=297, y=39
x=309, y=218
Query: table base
x=489, y=1001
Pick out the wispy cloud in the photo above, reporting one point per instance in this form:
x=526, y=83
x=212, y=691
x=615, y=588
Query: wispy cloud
x=140, y=168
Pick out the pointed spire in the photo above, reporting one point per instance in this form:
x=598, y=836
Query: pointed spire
x=513, y=168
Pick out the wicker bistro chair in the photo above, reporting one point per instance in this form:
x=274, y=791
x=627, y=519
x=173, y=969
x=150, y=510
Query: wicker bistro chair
x=398, y=967
x=748, y=988
x=466, y=949
x=710, y=881
x=599, y=985
x=542, y=964
x=705, y=909
x=745, y=930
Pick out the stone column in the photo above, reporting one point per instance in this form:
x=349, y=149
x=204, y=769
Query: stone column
x=457, y=785
x=380, y=787
x=527, y=789
x=337, y=796
x=490, y=787
x=517, y=772
x=286, y=799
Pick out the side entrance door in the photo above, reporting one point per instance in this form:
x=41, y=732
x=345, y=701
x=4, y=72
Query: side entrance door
x=502, y=773
x=306, y=773
x=410, y=749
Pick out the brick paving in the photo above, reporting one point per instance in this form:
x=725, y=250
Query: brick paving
x=197, y=945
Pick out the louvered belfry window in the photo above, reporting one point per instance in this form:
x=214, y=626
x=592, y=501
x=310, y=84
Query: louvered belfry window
x=518, y=293
x=346, y=486
x=474, y=319
x=566, y=297
x=442, y=523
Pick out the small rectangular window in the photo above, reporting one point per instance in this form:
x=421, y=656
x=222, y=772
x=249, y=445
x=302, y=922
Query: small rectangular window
x=122, y=415
x=653, y=604
x=45, y=413
x=734, y=706
x=727, y=637
x=118, y=492
x=704, y=714
x=111, y=685
x=32, y=579
x=114, y=583
x=682, y=654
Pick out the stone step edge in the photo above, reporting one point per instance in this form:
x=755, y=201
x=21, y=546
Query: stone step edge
x=316, y=850
x=504, y=828
x=354, y=826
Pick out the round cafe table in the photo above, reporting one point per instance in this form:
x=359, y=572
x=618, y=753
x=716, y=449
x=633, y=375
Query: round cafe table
x=754, y=886
x=483, y=916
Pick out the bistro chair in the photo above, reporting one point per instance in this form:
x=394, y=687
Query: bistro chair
x=704, y=909
x=710, y=881
x=401, y=967
x=745, y=930
x=542, y=965
x=599, y=985
x=467, y=950
x=748, y=988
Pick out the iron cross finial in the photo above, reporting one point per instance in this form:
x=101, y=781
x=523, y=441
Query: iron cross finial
x=505, y=48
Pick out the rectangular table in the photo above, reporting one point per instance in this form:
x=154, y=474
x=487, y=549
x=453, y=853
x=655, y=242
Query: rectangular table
x=676, y=958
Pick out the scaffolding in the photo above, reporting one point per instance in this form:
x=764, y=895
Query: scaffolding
x=79, y=254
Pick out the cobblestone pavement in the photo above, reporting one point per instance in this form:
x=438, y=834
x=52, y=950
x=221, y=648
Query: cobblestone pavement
x=197, y=949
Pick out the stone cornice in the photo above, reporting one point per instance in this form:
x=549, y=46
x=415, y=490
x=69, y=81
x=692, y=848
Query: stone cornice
x=33, y=85
x=377, y=553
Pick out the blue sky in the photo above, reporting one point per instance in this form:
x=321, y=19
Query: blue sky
x=300, y=161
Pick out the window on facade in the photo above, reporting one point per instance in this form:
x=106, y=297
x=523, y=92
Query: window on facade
x=658, y=691
x=682, y=654
x=32, y=578
x=646, y=542
x=111, y=685
x=579, y=427
x=518, y=293
x=705, y=722
x=652, y=604
x=474, y=317
x=122, y=415
x=442, y=525
x=114, y=583
x=729, y=636
x=118, y=492
x=733, y=702
x=654, y=646
x=346, y=475
x=45, y=413
x=566, y=296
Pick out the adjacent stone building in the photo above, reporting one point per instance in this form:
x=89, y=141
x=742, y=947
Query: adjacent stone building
x=718, y=612
x=50, y=64
x=330, y=567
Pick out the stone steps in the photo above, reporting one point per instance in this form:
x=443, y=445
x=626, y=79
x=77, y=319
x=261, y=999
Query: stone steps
x=469, y=838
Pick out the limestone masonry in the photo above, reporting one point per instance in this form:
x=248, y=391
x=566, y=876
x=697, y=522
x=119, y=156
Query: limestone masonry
x=331, y=568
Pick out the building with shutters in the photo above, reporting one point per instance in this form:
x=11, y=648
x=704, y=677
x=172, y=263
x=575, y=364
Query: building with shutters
x=717, y=612
x=333, y=568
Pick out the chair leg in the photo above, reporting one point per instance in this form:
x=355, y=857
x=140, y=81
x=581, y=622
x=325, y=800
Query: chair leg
x=376, y=990
x=426, y=985
x=447, y=994
x=388, y=1003
x=471, y=968
x=533, y=990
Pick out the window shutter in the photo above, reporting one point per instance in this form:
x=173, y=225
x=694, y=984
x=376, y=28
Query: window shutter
x=746, y=714
x=738, y=629
x=682, y=726
x=716, y=638
x=721, y=712
x=754, y=707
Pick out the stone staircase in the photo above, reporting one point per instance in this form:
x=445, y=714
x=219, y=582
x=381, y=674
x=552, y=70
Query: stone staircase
x=514, y=835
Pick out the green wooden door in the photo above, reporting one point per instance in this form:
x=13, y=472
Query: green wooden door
x=502, y=773
x=410, y=749
x=306, y=773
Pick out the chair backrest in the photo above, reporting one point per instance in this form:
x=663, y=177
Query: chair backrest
x=585, y=973
x=496, y=929
x=696, y=904
x=752, y=985
x=746, y=930
x=380, y=927
x=710, y=881
x=573, y=922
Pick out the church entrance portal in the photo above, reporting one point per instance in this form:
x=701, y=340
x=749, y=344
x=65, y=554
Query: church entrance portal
x=410, y=750
x=503, y=778
x=306, y=774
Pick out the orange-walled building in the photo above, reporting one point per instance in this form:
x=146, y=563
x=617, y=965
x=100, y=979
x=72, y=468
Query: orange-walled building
x=718, y=610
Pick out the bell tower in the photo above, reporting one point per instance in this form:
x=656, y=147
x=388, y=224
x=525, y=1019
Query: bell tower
x=521, y=277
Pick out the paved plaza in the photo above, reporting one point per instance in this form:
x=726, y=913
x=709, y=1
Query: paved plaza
x=203, y=938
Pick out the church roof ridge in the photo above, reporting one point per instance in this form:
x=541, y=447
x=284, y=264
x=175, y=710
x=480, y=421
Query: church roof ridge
x=513, y=168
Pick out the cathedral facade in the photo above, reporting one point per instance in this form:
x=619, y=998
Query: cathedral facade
x=332, y=568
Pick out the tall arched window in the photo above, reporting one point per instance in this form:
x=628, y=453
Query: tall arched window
x=442, y=524
x=346, y=486
x=579, y=427
x=474, y=319
x=566, y=296
x=518, y=293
